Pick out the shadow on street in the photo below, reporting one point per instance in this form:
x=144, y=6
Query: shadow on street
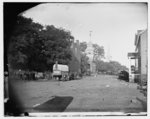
x=144, y=104
x=57, y=104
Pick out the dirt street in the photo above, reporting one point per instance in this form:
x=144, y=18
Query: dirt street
x=90, y=94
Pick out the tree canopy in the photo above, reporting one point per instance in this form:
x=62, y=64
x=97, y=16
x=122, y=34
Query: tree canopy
x=35, y=47
x=98, y=52
x=83, y=46
x=112, y=66
x=101, y=66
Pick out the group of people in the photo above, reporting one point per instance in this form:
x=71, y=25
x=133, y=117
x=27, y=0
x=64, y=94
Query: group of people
x=32, y=75
x=25, y=75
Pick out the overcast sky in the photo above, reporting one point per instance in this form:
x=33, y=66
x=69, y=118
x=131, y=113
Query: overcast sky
x=113, y=24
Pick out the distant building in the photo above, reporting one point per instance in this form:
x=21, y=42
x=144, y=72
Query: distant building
x=90, y=53
x=140, y=57
x=74, y=65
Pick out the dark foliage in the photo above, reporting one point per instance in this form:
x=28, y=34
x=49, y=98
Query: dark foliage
x=34, y=47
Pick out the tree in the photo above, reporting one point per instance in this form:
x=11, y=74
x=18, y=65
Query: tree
x=57, y=44
x=98, y=52
x=113, y=66
x=83, y=46
x=34, y=48
x=22, y=42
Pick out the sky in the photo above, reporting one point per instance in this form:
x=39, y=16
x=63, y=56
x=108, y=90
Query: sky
x=113, y=25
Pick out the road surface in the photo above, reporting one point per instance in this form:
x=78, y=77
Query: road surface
x=103, y=93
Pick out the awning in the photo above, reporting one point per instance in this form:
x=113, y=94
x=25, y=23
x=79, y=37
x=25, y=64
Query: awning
x=133, y=55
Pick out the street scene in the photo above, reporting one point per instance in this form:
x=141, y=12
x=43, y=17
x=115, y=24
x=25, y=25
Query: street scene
x=76, y=58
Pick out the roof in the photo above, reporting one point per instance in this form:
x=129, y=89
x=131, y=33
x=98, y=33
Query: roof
x=137, y=35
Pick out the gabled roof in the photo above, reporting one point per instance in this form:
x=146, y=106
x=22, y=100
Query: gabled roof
x=137, y=35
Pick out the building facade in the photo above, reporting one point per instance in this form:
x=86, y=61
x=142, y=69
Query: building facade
x=90, y=54
x=141, y=62
x=75, y=63
x=140, y=57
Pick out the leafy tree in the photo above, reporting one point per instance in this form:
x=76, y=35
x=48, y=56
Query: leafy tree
x=98, y=52
x=22, y=43
x=56, y=45
x=112, y=66
x=34, y=48
x=83, y=46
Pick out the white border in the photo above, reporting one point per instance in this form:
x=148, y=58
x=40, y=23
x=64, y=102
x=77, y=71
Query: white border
x=69, y=115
